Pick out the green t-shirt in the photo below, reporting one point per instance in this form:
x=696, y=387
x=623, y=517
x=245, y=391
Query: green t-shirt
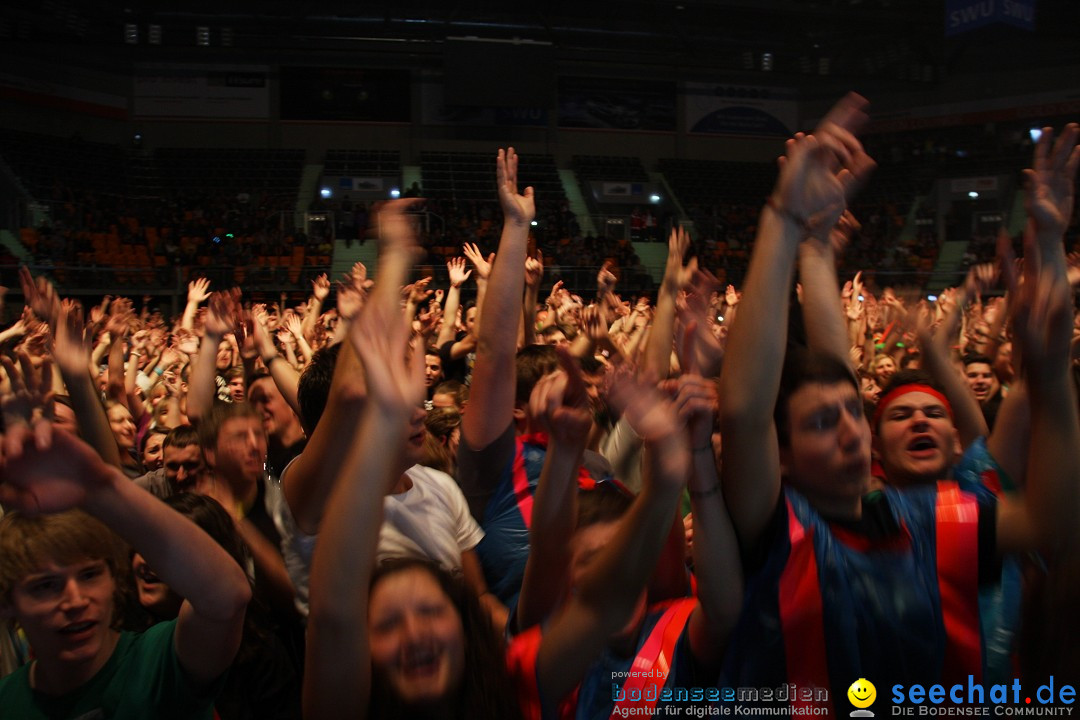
x=142, y=679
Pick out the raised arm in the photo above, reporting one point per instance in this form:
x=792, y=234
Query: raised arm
x=822, y=312
x=604, y=600
x=310, y=478
x=320, y=290
x=491, y=402
x=809, y=197
x=1045, y=516
x=561, y=407
x=937, y=359
x=198, y=292
x=283, y=373
x=337, y=681
x=47, y=470
x=455, y=267
x=70, y=353
x=201, y=385
x=716, y=549
x=676, y=277
x=534, y=273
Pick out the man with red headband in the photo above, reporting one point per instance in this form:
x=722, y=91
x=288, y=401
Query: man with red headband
x=914, y=435
x=841, y=584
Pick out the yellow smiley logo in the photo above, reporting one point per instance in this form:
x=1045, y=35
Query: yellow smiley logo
x=862, y=693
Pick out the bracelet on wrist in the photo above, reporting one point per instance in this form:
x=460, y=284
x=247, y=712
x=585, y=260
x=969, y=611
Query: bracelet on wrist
x=702, y=494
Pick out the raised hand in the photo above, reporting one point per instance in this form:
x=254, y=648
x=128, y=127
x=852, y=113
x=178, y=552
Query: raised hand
x=1043, y=324
x=419, y=292
x=605, y=279
x=594, y=324
x=27, y=403
x=809, y=190
x=40, y=295
x=349, y=300
x=455, y=267
x=70, y=349
x=483, y=267
x=676, y=275
x=838, y=129
x=519, y=209
x=223, y=313
x=534, y=270
x=260, y=332
x=47, y=478
x=560, y=404
x=429, y=321
x=395, y=380
x=1049, y=183
x=845, y=229
x=198, y=291
x=169, y=357
x=294, y=325
x=655, y=419
x=980, y=279
x=187, y=342
x=696, y=402
x=320, y=287
x=554, y=299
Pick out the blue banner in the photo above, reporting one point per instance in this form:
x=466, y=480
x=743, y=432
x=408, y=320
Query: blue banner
x=1020, y=13
x=964, y=15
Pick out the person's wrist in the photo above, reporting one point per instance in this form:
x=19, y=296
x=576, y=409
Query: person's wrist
x=102, y=483
x=778, y=208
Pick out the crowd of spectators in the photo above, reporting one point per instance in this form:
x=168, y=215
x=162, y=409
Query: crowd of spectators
x=388, y=500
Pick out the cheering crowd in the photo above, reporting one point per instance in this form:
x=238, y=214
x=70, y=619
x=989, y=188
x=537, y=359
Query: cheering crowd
x=404, y=505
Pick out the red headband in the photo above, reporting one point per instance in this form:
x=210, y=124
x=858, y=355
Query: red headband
x=904, y=390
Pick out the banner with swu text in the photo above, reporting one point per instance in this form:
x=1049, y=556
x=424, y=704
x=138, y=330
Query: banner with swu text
x=964, y=15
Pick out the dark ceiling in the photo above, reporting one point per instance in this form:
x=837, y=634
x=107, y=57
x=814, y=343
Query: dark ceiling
x=897, y=41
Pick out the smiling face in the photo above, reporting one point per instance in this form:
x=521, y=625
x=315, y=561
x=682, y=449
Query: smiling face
x=153, y=457
x=862, y=693
x=122, y=426
x=982, y=381
x=916, y=439
x=884, y=368
x=417, y=637
x=67, y=613
x=182, y=465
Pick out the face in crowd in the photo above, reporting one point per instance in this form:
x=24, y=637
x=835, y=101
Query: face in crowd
x=417, y=637
x=982, y=381
x=153, y=452
x=182, y=466
x=277, y=416
x=433, y=370
x=122, y=426
x=827, y=456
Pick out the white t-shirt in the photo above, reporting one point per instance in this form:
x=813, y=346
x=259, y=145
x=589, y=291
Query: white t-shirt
x=429, y=521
